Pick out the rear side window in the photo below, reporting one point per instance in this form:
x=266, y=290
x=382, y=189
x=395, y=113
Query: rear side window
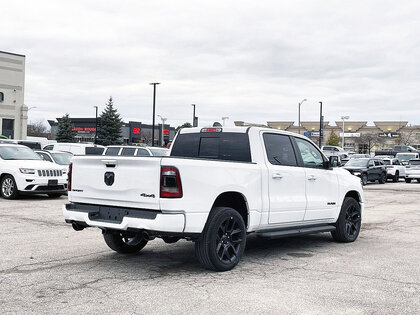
x=228, y=146
x=128, y=151
x=142, y=152
x=94, y=150
x=279, y=149
x=112, y=151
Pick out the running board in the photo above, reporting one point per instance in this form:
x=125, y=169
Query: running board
x=270, y=234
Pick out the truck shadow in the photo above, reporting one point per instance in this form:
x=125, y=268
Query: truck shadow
x=179, y=258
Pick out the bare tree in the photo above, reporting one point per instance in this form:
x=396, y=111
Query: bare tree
x=38, y=129
x=146, y=136
x=406, y=137
x=369, y=141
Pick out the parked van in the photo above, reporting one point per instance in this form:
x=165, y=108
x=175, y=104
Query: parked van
x=76, y=148
x=34, y=145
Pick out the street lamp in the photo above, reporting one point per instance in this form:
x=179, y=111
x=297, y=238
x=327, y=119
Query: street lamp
x=299, y=112
x=194, y=124
x=224, y=119
x=154, y=105
x=96, y=123
x=163, y=124
x=343, y=118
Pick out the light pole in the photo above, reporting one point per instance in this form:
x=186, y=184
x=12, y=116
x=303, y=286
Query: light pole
x=194, y=120
x=343, y=118
x=321, y=122
x=154, y=105
x=224, y=119
x=96, y=123
x=163, y=124
x=299, y=112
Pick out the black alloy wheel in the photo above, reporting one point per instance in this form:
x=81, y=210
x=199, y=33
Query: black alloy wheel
x=382, y=178
x=349, y=222
x=124, y=243
x=364, y=179
x=228, y=240
x=222, y=242
x=408, y=180
x=396, y=177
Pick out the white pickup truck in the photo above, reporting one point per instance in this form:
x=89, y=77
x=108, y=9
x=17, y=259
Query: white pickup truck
x=217, y=186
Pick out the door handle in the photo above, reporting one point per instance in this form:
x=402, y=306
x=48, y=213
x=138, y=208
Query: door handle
x=311, y=177
x=277, y=176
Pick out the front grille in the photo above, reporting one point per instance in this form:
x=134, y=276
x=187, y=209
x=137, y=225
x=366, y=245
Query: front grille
x=50, y=173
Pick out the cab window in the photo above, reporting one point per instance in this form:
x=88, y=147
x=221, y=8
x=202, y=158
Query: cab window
x=142, y=152
x=310, y=155
x=279, y=149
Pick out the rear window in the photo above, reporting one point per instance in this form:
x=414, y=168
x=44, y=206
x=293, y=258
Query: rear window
x=414, y=162
x=227, y=146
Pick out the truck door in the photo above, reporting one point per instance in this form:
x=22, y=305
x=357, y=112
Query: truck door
x=286, y=180
x=321, y=183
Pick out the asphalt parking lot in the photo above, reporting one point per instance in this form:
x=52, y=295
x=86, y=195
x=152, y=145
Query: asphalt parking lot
x=46, y=267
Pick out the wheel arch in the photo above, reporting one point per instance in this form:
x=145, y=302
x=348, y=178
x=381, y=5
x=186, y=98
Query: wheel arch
x=234, y=200
x=354, y=194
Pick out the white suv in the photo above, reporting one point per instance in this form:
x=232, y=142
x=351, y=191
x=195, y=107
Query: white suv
x=22, y=171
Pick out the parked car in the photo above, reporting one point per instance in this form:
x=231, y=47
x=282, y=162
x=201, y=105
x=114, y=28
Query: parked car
x=412, y=170
x=359, y=156
x=217, y=185
x=394, y=169
x=57, y=157
x=405, y=157
x=76, y=148
x=115, y=150
x=397, y=149
x=33, y=144
x=367, y=169
x=22, y=171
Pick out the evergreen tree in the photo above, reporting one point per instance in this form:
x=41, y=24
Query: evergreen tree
x=109, y=132
x=65, y=131
x=333, y=139
x=184, y=125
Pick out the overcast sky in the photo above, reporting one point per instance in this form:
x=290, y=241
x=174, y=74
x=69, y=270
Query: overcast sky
x=249, y=60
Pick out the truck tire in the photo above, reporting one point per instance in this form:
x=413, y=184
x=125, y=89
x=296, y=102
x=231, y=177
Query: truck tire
x=349, y=222
x=396, y=177
x=8, y=187
x=122, y=244
x=222, y=242
x=408, y=180
x=418, y=180
x=382, y=178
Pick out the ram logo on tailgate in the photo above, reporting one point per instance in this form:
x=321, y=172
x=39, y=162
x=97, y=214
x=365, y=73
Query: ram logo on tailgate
x=109, y=178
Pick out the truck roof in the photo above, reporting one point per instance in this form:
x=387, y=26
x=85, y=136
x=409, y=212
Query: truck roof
x=240, y=129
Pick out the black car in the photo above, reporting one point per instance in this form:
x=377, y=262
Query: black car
x=367, y=170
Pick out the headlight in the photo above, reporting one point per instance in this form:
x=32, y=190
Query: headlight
x=357, y=173
x=27, y=170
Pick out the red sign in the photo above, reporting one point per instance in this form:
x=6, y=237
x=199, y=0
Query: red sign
x=136, y=130
x=166, y=131
x=83, y=129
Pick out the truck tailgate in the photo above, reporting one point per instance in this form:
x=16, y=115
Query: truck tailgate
x=116, y=181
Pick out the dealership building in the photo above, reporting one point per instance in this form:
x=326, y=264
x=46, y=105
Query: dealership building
x=359, y=136
x=132, y=132
x=13, y=112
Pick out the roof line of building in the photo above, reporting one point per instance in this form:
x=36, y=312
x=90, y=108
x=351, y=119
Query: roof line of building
x=13, y=54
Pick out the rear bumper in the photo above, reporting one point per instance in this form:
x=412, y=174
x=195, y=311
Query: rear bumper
x=124, y=218
x=412, y=176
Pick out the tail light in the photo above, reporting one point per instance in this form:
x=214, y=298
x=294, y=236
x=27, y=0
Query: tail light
x=170, y=182
x=69, y=177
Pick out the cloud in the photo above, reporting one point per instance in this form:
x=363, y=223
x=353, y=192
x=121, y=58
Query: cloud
x=249, y=60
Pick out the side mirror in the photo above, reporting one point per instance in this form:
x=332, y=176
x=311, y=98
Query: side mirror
x=334, y=161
